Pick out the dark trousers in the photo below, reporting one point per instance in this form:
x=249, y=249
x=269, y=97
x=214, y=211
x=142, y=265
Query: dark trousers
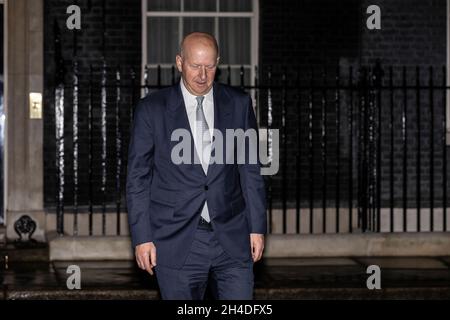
x=229, y=279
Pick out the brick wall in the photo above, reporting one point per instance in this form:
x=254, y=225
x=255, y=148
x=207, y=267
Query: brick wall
x=313, y=34
x=300, y=35
x=122, y=48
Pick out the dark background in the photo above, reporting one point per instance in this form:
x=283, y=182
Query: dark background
x=295, y=37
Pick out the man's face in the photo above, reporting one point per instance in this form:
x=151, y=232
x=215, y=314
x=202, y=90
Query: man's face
x=198, y=67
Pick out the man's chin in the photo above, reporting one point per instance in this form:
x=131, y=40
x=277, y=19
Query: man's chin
x=201, y=90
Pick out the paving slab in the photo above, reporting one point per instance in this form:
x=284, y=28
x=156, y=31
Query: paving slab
x=404, y=263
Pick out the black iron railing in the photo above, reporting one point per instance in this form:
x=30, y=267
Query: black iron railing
x=353, y=143
x=361, y=148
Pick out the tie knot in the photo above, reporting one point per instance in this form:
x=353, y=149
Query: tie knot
x=200, y=101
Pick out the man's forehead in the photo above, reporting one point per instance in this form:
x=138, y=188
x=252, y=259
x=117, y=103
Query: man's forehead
x=199, y=47
x=195, y=57
x=199, y=44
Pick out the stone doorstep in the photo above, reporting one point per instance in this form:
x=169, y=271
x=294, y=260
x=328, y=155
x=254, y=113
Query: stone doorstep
x=260, y=294
x=83, y=294
x=14, y=254
x=431, y=244
x=358, y=245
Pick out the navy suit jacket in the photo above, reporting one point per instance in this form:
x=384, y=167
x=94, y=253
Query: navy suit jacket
x=164, y=199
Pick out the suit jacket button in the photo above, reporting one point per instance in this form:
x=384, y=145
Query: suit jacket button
x=206, y=188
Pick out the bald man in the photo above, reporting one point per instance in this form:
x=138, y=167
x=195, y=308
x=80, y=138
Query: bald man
x=200, y=221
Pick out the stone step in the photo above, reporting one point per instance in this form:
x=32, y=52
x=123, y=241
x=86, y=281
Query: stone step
x=306, y=278
x=435, y=293
x=22, y=252
x=277, y=246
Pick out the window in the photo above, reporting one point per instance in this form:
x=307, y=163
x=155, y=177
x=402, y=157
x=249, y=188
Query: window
x=233, y=23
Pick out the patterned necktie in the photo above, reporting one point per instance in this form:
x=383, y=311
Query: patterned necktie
x=204, y=140
x=203, y=133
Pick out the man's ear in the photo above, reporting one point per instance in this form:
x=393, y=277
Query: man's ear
x=179, y=62
x=218, y=60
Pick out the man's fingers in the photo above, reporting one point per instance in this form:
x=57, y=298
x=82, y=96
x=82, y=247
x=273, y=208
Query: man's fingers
x=153, y=257
x=257, y=253
x=260, y=252
x=146, y=256
x=139, y=263
x=147, y=265
x=254, y=248
x=257, y=250
x=257, y=246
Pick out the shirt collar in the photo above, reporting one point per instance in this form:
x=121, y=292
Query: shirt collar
x=191, y=99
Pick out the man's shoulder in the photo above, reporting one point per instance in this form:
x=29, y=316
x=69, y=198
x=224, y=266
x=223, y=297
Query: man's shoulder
x=233, y=92
x=157, y=97
x=156, y=101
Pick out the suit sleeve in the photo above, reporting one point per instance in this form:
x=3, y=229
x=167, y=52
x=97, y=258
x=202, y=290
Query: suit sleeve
x=139, y=176
x=252, y=182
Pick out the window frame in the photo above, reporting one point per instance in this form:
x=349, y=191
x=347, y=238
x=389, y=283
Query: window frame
x=254, y=32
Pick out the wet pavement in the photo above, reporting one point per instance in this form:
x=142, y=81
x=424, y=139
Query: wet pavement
x=22, y=277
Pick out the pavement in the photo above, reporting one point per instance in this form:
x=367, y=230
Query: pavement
x=27, y=274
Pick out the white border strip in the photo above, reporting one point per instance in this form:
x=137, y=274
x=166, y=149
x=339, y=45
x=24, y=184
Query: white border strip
x=5, y=106
x=448, y=76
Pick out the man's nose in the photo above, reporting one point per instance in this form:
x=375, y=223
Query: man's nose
x=202, y=73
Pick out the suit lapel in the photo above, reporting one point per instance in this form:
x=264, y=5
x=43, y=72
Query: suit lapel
x=222, y=119
x=178, y=119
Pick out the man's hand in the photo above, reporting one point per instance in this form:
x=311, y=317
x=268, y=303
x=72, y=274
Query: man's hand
x=257, y=245
x=146, y=256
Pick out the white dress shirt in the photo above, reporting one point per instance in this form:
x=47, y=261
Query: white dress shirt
x=190, y=103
